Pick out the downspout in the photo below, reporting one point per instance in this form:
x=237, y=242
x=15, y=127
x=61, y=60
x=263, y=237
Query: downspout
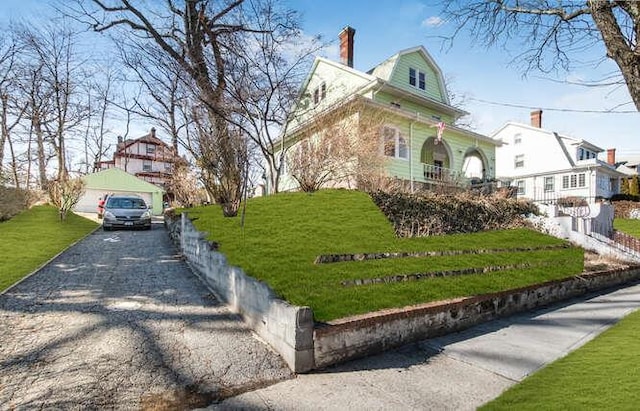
x=411, y=156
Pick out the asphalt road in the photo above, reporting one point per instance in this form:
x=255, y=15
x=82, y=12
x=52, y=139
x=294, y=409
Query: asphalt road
x=119, y=321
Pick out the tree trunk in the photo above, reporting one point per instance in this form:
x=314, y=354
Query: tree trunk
x=5, y=130
x=617, y=48
x=42, y=163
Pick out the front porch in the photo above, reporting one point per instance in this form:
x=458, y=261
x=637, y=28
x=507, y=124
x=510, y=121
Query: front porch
x=439, y=164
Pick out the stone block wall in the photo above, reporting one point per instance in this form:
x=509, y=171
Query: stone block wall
x=288, y=329
x=360, y=336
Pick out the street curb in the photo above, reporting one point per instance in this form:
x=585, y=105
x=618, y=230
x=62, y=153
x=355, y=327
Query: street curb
x=34, y=272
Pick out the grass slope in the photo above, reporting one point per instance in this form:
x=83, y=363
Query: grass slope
x=629, y=226
x=33, y=237
x=283, y=235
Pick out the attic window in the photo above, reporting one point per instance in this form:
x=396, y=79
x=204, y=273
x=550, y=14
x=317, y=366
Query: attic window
x=320, y=93
x=417, y=79
x=151, y=148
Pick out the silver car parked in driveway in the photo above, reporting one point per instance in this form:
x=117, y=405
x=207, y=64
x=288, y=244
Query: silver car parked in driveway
x=126, y=211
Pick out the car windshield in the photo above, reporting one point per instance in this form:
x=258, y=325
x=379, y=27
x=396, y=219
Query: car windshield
x=126, y=203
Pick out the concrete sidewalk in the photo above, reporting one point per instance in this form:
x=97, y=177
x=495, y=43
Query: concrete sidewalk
x=459, y=371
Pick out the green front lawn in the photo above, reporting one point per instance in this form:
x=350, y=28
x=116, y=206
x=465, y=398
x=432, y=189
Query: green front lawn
x=283, y=235
x=629, y=226
x=33, y=237
x=602, y=375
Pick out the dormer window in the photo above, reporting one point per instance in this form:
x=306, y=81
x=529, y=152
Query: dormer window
x=320, y=93
x=417, y=79
x=584, y=154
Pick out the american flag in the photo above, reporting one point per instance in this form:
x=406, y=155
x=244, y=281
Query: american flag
x=440, y=126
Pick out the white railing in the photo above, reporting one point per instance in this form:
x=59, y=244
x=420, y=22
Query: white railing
x=442, y=174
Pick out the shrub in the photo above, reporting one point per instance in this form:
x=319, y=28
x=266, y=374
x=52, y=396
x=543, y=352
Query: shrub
x=435, y=214
x=623, y=209
x=13, y=201
x=624, y=197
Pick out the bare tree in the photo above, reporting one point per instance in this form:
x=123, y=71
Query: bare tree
x=99, y=101
x=52, y=51
x=557, y=31
x=183, y=183
x=198, y=35
x=65, y=194
x=165, y=93
x=341, y=147
x=264, y=80
x=8, y=50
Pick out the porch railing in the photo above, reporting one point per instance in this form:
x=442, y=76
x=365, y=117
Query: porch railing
x=442, y=174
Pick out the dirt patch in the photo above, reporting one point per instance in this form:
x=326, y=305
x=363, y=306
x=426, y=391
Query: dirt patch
x=596, y=262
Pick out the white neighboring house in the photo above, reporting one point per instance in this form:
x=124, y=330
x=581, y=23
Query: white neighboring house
x=546, y=166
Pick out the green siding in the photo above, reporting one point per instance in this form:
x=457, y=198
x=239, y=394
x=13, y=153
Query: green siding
x=424, y=112
x=340, y=83
x=457, y=145
x=400, y=76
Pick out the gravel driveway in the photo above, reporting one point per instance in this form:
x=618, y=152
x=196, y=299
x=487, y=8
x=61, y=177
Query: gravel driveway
x=119, y=321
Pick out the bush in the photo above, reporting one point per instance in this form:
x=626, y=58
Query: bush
x=13, y=201
x=623, y=209
x=572, y=202
x=435, y=214
x=624, y=197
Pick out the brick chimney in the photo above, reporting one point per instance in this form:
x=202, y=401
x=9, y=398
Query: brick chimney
x=536, y=118
x=611, y=156
x=346, y=46
x=153, y=132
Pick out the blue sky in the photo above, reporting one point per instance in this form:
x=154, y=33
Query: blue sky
x=384, y=27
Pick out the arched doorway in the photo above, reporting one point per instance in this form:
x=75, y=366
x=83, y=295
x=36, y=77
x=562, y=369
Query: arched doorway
x=474, y=165
x=436, y=160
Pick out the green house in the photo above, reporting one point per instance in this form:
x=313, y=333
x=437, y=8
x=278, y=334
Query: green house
x=116, y=181
x=404, y=99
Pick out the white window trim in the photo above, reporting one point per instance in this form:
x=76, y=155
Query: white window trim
x=396, y=149
x=551, y=186
x=516, y=162
x=418, y=73
x=319, y=93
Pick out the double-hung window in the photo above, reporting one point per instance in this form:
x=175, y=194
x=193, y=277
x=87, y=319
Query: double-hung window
x=518, y=161
x=394, y=143
x=574, y=180
x=319, y=93
x=521, y=187
x=548, y=184
x=417, y=79
x=146, y=165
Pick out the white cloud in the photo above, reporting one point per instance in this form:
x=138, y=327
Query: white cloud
x=433, y=21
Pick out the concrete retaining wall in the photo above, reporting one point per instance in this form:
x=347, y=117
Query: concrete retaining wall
x=288, y=329
x=360, y=336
